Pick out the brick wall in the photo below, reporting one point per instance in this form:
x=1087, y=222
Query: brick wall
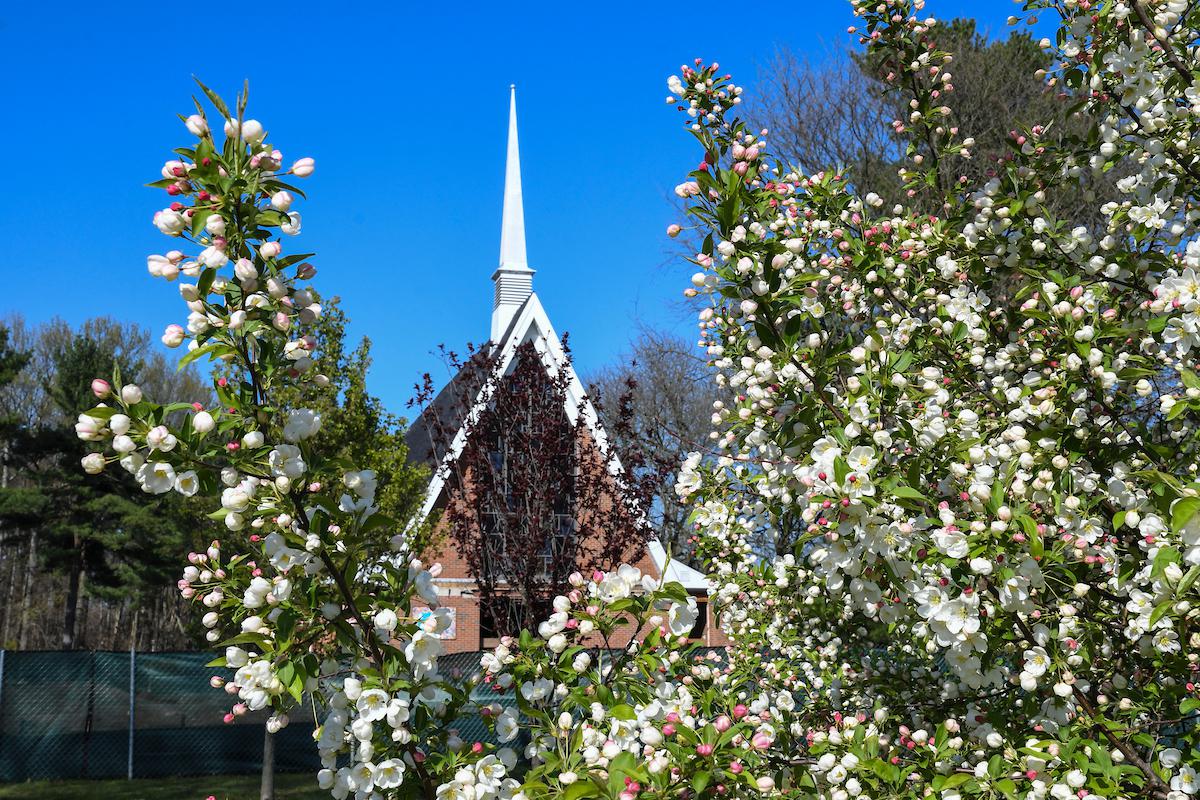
x=459, y=592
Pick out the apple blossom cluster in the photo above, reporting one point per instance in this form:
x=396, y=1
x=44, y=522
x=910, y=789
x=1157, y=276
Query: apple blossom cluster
x=952, y=487
x=615, y=704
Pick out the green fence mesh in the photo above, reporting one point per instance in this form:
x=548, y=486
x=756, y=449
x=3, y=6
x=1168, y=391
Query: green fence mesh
x=67, y=715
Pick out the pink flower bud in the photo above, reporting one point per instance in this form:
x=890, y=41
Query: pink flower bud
x=101, y=388
x=303, y=167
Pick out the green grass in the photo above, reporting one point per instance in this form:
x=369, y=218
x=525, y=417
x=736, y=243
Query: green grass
x=224, y=787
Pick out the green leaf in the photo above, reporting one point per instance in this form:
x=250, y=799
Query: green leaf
x=906, y=492
x=1031, y=532
x=581, y=789
x=957, y=779
x=270, y=218
x=620, y=768
x=700, y=781
x=1188, y=580
x=203, y=350
x=623, y=712
x=101, y=412
x=287, y=261
x=840, y=470
x=214, y=98
x=1182, y=512
x=376, y=521
x=199, y=218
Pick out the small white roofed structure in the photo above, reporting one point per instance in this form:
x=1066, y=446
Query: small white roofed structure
x=676, y=571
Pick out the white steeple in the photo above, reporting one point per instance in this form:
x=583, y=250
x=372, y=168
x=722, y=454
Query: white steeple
x=513, y=278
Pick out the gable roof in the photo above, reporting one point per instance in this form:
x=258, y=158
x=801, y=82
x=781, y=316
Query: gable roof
x=532, y=325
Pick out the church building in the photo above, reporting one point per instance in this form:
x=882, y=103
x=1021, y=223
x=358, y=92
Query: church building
x=518, y=322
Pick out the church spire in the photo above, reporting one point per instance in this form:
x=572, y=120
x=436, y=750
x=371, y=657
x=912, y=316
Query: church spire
x=512, y=233
x=513, y=278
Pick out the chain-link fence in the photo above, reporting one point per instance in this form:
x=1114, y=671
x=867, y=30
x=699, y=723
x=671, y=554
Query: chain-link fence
x=110, y=715
x=147, y=715
x=113, y=715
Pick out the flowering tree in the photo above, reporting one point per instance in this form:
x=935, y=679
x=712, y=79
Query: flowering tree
x=288, y=597
x=977, y=427
x=969, y=435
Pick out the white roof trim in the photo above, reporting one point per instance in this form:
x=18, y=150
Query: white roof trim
x=531, y=324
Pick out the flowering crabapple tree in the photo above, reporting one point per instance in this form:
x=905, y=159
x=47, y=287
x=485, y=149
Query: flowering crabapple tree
x=978, y=426
x=288, y=595
x=295, y=596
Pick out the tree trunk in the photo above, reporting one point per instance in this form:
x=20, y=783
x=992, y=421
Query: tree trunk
x=267, y=788
x=30, y=570
x=83, y=618
x=12, y=557
x=72, y=602
x=118, y=626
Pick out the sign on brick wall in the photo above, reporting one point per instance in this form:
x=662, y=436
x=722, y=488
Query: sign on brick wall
x=451, y=632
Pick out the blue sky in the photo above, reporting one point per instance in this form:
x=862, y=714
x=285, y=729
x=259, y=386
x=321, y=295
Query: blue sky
x=404, y=108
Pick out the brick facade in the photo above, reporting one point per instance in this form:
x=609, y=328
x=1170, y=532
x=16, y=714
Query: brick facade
x=458, y=592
